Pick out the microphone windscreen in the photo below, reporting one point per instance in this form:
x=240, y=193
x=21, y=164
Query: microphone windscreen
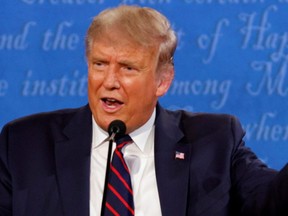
x=117, y=127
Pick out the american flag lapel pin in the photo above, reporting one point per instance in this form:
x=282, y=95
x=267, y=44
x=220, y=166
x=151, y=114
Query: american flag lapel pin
x=179, y=155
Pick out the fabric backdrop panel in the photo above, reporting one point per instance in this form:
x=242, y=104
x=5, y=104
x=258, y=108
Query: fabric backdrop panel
x=232, y=58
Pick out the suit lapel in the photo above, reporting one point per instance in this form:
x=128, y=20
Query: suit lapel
x=172, y=173
x=72, y=156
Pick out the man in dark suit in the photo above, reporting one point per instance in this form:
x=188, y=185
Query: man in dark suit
x=180, y=163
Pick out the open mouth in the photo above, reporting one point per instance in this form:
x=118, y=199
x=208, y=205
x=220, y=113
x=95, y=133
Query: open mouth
x=111, y=102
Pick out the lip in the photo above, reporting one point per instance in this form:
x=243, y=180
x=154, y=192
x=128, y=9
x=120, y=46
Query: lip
x=111, y=107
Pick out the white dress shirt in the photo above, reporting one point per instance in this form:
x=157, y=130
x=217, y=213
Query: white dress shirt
x=139, y=157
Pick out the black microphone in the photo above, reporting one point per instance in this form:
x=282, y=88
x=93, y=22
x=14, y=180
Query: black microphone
x=117, y=128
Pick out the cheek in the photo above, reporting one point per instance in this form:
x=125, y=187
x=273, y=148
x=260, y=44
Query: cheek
x=91, y=84
x=93, y=89
x=144, y=93
x=93, y=80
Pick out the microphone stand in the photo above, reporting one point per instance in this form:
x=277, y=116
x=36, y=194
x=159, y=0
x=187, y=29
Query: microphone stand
x=115, y=127
x=111, y=139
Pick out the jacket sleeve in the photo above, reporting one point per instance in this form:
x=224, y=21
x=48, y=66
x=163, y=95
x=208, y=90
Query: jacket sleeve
x=5, y=176
x=260, y=191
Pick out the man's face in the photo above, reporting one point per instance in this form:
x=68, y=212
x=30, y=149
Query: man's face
x=122, y=81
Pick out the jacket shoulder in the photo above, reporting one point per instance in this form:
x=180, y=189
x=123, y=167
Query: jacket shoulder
x=205, y=119
x=41, y=120
x=197, y=125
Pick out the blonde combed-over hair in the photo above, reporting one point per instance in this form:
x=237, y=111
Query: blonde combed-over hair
x=143, y=25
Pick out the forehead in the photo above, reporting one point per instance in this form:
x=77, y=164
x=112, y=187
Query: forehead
x=118, y=34
x=119, y=43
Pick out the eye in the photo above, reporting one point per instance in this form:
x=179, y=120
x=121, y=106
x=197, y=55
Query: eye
x=98, y=65
x=129, y=68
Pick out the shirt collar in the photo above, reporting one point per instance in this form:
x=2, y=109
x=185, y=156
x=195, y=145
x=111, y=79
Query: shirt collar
x=99, y=135
x=139, y=136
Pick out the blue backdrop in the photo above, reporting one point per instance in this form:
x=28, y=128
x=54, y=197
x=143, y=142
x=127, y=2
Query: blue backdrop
x=231, y=59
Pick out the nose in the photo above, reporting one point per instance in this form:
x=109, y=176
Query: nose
x=111, y=80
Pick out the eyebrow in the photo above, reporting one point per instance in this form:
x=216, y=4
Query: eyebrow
x=98, y=58
x=127, y=62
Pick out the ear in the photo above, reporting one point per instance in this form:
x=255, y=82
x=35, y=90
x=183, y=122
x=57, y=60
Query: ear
x=164, y=81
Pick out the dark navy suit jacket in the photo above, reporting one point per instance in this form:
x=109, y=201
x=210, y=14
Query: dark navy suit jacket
x=45, y=167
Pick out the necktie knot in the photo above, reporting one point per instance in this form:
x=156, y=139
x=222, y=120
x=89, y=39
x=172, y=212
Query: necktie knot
x=122, y=141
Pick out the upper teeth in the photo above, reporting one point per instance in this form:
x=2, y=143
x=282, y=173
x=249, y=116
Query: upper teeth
x=111, y=100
